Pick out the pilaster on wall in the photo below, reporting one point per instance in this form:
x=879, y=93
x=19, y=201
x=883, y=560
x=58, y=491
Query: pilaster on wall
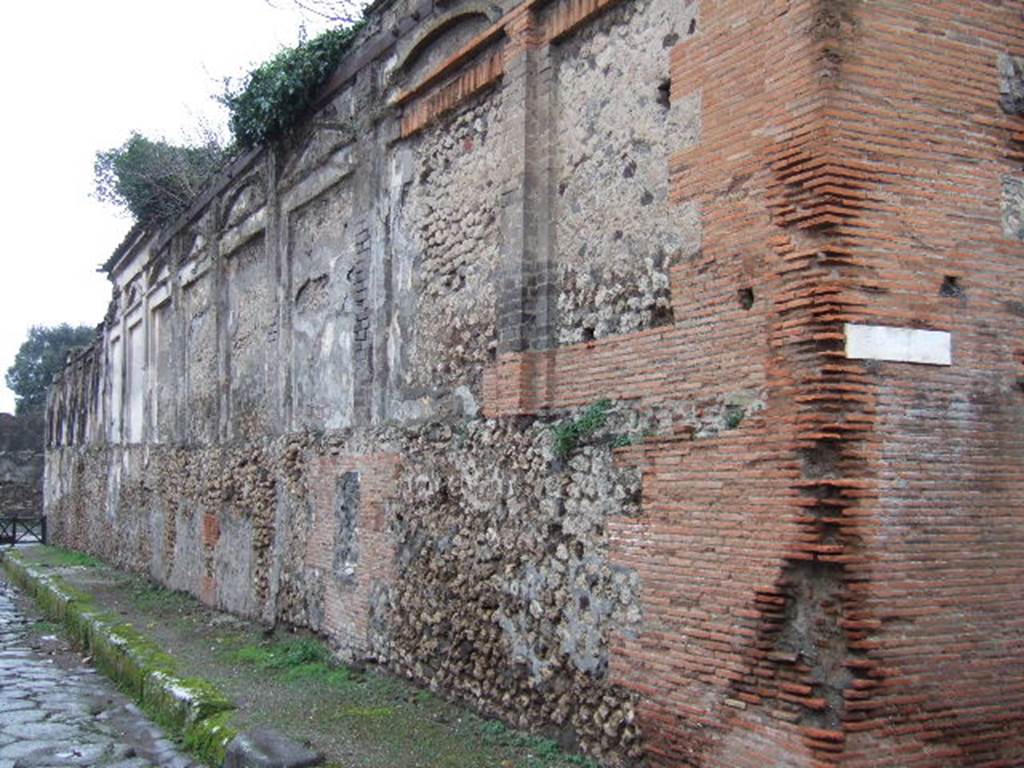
x=177, y=355
x=516, y=49
x=277, y=236
x=223, y=351
x=363, y=347
x=525, y=299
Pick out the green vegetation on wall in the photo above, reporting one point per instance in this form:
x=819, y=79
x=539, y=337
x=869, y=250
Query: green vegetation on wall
x=156, y=181
x=153, y=180
x=274, y=97
x=569, y=434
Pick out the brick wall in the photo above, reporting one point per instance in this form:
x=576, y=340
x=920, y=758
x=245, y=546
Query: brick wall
x=348, y=608
x=919, y=110
x=836, y=580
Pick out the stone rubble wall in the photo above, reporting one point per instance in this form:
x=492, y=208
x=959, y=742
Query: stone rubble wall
x=306, y=354
x=520, y=369
x=21, y=466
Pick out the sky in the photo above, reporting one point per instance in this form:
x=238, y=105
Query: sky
x=79, y=77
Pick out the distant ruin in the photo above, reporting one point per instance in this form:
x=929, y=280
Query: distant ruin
x=21, y=465
x=647, y=373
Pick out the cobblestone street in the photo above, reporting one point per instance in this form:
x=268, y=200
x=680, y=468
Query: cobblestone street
x=56, y=711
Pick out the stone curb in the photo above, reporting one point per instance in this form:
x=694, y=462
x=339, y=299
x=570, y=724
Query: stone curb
x=192, y=709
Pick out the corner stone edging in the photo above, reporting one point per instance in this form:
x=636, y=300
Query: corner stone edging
x=194, y=710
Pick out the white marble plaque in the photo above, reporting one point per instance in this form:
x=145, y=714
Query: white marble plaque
x=898, y=345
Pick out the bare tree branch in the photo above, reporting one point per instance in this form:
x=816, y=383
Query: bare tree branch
x=340, y=11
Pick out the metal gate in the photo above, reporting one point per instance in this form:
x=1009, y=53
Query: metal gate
x=15, y=530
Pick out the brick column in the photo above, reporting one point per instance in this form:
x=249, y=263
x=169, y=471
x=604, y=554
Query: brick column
x=525, y=303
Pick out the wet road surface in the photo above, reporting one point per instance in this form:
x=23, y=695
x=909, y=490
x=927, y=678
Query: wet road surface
x=57, y=711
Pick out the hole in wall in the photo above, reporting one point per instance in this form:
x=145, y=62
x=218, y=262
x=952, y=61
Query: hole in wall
x=669, y=40
x=665, y=93
x=693, y=27
x=745, y=297
x=1014, y=307
x=951, y=287
x=873, y=289
x=822, y=460
x=662, y=315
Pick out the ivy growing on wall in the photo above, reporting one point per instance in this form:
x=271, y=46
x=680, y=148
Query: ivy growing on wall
x=273, y=98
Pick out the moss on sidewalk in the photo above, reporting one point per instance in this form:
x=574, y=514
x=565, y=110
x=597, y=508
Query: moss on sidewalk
x=359, y=718
x=186, y=707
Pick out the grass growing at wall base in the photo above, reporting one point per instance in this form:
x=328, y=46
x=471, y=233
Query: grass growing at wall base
x=55, y=557
x=291, y=681
x=295, y=660
x=284, y=654
x=544, y=753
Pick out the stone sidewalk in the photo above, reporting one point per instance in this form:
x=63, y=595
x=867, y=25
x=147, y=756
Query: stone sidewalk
x=57, y=712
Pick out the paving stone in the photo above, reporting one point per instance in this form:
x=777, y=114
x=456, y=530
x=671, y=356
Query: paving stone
x=63, y=754
x=56, y=715
x=23, y=747
x=14, y=717
x=47, y=731
x=14, y=703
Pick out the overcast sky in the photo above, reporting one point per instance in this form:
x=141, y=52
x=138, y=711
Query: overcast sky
x=79, y=77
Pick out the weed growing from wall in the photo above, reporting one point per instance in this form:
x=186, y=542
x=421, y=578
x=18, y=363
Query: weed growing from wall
x=734, y=415
x=570, y=433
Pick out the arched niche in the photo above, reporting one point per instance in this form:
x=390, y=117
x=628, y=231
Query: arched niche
x=439, y=40
x=244, y=199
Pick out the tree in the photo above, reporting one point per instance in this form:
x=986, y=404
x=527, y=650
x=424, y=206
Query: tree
x=155, y=180
x=40, y=358
x=341, y=11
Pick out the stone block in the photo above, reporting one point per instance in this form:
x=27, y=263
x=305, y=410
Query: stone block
x=265, y=748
